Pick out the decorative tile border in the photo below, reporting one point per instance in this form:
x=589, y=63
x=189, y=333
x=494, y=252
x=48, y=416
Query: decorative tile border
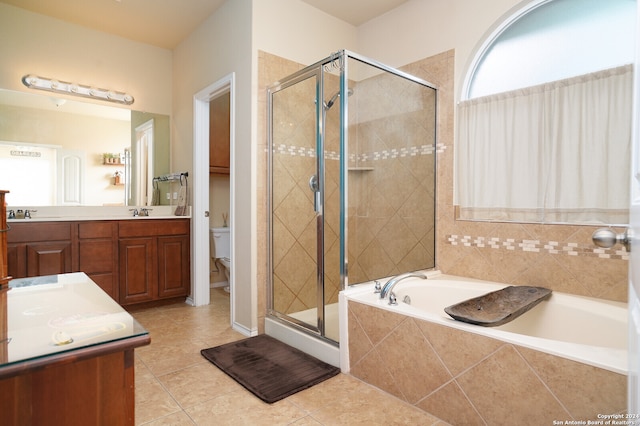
x=536, y=246
x=412, y=151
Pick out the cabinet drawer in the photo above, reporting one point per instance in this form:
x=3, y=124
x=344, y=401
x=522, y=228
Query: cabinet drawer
x=40, y=231
x=95, y=230
x=151, y=228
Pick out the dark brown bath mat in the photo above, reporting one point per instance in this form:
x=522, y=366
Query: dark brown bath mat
x=268, y=368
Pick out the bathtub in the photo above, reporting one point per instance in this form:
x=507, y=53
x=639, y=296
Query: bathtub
x=589, y=334
x=587, y=330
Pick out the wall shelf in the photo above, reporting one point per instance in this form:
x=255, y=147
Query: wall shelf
x=360, y=169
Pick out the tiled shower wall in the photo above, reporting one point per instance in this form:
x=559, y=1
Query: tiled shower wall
x=560, y=257
x=391, y=176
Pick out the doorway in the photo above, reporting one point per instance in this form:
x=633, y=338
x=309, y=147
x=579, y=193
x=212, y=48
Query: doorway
x=219, y=189
x=201, y=254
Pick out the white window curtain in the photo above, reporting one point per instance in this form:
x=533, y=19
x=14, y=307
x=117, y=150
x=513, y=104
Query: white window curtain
x=557, y=152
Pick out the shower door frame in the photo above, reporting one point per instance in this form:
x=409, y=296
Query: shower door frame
x=313, y=71
x=337, y=60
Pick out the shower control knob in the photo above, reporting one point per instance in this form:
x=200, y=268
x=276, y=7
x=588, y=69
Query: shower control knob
x=607, y=238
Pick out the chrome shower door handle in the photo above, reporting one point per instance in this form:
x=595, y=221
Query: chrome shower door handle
x=314, y=185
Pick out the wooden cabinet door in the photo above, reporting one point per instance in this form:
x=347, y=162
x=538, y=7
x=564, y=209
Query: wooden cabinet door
x=48, y=258
x=39, y=248
x=173, y=266
x=97, y=254
x=17, y=260
x=219, y=134
x=138, y=270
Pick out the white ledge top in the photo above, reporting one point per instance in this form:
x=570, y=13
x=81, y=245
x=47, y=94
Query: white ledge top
x=82, y=213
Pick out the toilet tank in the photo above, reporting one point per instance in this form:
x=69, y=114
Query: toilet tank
x=221, y=243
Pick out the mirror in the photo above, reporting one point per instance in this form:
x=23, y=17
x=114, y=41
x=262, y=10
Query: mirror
x=63, y=152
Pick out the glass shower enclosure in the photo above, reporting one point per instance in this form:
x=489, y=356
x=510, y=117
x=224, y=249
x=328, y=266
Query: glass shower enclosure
x=351, y=152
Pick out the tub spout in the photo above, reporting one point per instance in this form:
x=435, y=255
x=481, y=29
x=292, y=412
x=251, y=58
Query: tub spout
x=388, y=287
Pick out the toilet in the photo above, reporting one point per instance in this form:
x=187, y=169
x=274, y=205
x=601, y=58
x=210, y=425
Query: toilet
x=221, y=250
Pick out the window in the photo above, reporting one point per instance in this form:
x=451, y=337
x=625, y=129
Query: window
x=553, y=40
x=544, y=127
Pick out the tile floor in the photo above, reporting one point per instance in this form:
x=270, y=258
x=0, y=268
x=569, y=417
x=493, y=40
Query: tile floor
x=176, y=386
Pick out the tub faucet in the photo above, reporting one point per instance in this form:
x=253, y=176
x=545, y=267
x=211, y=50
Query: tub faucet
x=388, y=287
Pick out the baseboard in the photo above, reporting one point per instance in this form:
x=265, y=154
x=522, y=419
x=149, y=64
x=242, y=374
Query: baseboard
x=244, y=330
x=218, y=284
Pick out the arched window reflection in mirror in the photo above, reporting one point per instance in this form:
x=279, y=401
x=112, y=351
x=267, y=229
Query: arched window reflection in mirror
x=544, y=120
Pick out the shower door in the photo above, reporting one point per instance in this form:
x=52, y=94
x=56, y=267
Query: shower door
x=296, y=201
x=352, y=147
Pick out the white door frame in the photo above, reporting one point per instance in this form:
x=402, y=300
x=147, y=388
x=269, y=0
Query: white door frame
x=633, y=383
x=200, y=214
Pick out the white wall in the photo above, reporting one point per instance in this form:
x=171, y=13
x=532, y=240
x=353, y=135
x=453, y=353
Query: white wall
x=422, y=28
x=298, y=32
x=36, y=44
x=219, y=46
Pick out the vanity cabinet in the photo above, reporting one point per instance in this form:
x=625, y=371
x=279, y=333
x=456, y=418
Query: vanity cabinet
x=154, y=260
x=35, y=249
x=133, y=261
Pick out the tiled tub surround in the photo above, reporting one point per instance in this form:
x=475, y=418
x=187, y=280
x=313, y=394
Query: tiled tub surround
x=462, y=374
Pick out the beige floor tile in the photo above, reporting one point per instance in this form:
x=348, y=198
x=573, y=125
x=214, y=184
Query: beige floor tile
x=371, y=406
x=143, y=374
x=153, y=402
x=177, y=419
x=166, y=358
x=197, y=384
x=306, y=421
x=243, y=408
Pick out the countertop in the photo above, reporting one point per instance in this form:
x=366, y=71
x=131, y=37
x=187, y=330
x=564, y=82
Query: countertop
x=56, y=316
x=88, y=213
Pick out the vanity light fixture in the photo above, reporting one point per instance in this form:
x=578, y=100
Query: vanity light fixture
x=57, y=86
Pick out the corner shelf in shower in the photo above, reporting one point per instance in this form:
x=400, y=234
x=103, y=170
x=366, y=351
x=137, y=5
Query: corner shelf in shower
x=359, y=169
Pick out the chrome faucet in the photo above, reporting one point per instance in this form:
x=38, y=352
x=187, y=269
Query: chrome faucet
x=388, y=287
x=145, y=212
x=135, y=212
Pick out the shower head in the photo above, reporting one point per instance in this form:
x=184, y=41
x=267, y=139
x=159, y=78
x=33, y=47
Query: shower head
x=329, y=104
